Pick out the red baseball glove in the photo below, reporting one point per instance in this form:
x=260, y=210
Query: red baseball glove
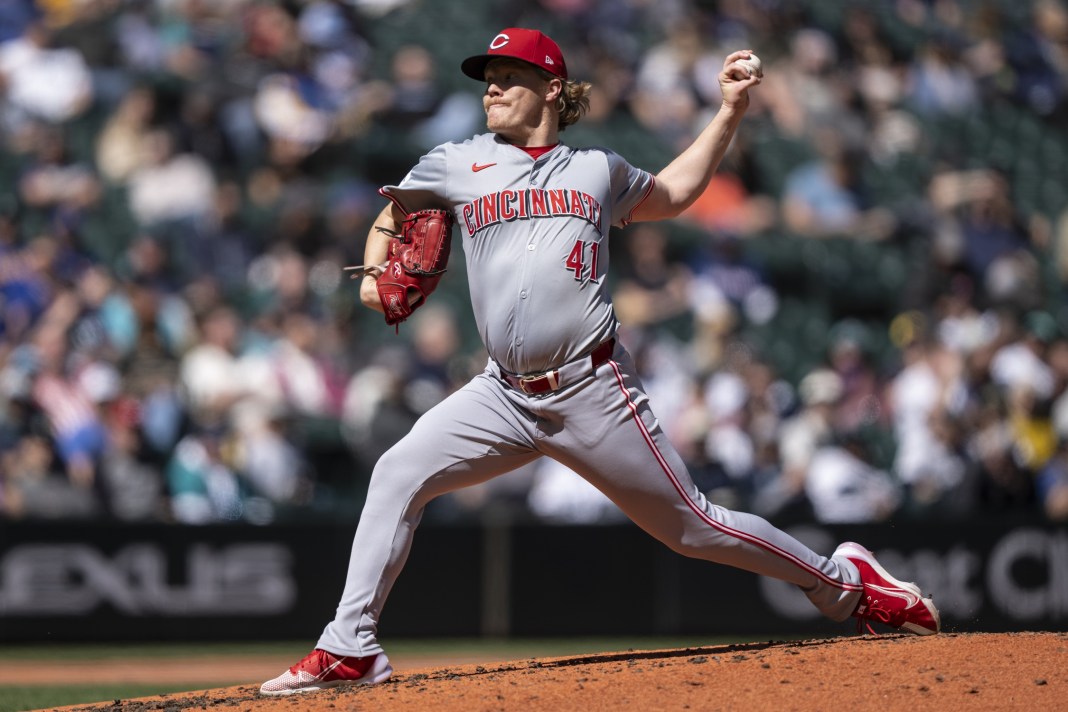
x=418, y=255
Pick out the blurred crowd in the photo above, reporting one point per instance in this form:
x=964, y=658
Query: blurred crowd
x=185, y=180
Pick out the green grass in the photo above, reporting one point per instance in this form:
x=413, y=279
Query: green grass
x=79, y=652
x=18, y=698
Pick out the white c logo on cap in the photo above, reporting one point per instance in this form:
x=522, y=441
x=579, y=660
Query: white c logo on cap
x=500, y=41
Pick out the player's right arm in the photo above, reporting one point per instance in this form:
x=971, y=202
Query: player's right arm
x=679, y=184
x=376, y=252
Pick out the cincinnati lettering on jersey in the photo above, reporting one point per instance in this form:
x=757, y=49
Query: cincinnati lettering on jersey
x=529, y=204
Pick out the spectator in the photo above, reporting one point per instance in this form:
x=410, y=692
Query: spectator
x=135, y=488
x=415, y=102
x=377, y=412
x=671, y=85
x=210, y=374
x=1020, y=364
x=122, y=143
x=202, y=486
x=1035, y=52
x=1004, y=485
x=728, y=442
x=800, y=437
x=652, y=287
x=295, y=125
x=939, y=82
x=960, y=325
x=26, y=287
x=721, y=267
x=559, y=496
x=58, y=188
x=802, y=87
x=64, y=392
x=290, y=374
x=270, y=466
x=43, y=81
x=826, y=197
x=845, y=489
x=437, y=369
x=198, y=132
x=990, y=242
x=33, y=489
x=928, y=400
x=849, y=354
x=170, y=186
x=156, y=329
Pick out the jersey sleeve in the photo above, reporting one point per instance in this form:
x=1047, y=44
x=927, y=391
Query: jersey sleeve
x=425, y=185
x=630, y=187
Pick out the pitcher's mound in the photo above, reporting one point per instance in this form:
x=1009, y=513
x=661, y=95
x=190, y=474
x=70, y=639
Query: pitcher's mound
x=973, y=671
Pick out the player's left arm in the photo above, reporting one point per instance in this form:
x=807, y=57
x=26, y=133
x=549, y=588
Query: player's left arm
x=376, y=252
x=683, y=180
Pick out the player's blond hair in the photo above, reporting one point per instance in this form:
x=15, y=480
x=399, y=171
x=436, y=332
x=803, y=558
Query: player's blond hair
x=573, y=102
x=574, y=99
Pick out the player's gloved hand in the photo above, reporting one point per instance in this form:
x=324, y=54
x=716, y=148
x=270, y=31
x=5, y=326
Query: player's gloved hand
x=418, y=255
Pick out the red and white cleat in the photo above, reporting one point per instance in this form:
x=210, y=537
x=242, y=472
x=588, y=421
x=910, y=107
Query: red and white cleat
x=886, y=600
x=320, y=670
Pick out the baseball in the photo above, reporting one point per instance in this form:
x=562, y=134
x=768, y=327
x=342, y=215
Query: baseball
x=753, y=65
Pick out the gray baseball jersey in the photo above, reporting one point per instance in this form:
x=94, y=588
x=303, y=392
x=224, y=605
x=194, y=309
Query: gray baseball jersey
x=534, y=232
x=535, y=237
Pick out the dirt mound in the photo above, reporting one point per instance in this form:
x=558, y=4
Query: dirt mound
x=947, y=672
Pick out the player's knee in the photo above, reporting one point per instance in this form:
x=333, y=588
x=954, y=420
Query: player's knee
x=399, y=475
x=391, y=475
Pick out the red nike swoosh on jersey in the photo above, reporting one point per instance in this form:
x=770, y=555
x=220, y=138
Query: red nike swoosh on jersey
x=476, y=168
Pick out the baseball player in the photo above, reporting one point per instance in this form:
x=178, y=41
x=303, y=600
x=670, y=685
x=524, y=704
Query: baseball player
x=533, y=216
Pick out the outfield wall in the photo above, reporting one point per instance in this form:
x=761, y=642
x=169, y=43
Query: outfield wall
x=93, y=582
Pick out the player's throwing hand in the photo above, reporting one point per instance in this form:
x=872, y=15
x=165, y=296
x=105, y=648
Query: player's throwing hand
x=738, y=76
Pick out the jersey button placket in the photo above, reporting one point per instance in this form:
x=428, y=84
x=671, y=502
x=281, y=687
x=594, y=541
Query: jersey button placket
x=524, y=288
x=524, y=292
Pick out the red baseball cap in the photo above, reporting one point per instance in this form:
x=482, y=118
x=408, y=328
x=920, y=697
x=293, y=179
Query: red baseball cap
x=530, y=46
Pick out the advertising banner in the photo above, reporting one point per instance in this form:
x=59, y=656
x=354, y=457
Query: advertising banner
x=80, y=582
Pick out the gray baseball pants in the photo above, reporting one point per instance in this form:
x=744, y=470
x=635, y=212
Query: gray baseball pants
x=600, y=424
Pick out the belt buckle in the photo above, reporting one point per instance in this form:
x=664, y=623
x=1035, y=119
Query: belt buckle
x=551, y=377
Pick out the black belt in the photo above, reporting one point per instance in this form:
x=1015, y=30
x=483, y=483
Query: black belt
x=550, y=380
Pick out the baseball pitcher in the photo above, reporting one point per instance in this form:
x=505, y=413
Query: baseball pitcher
x=533, y=217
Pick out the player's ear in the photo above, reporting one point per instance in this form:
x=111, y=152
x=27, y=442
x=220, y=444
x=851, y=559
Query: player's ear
x=554, y=89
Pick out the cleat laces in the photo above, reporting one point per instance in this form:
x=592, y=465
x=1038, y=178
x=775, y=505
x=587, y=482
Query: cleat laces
x=315, y=660
x=874, y=609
